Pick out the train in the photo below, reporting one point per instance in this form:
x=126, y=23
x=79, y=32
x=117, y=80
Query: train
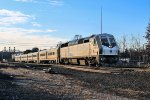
x=92, y=50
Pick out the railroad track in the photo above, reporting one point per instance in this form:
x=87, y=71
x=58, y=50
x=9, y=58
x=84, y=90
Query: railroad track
x=57, y=68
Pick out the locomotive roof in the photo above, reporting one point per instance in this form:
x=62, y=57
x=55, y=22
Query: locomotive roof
x=105, y=34
x=81, y=40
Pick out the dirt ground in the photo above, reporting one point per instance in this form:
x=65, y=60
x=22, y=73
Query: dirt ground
x=18, y=83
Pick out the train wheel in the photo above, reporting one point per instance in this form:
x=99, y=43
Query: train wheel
x=66, y=61
x=98, y=64
x=62, y=61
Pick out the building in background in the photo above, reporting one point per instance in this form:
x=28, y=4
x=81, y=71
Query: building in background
x=8, y=55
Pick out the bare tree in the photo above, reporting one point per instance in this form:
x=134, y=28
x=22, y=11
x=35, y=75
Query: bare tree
x=122, y=43
x=131, y=47
x=148, y=38
x=148, y=33
x=136, y=42
x=136, y=47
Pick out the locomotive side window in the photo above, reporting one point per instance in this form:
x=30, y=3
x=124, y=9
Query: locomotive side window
x=64, y=45
x=85, y=41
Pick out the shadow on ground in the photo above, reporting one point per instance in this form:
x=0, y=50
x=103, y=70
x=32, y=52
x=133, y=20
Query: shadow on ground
x=9, y=90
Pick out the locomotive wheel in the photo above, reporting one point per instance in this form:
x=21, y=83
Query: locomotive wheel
x=66, y=61
x=86, y=63
x=96, y=63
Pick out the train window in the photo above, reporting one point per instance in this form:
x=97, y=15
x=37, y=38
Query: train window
x=112, y=41
x=64, y=45
x=105, y=42
x=51, y=53
x=85, y=41
x=34, y=55
x=74, y=42
x=42, y=54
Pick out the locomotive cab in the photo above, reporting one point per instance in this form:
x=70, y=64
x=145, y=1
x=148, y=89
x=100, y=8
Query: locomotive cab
x=108, y=48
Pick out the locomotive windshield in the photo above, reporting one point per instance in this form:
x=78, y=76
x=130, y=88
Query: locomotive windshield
x=105, y=41
x=112, y=41
x=108, y=41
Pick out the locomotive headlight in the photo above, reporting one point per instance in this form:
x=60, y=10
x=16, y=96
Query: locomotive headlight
x=110, y=46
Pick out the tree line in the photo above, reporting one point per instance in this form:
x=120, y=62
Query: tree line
x=134, y=48
x=35, y=49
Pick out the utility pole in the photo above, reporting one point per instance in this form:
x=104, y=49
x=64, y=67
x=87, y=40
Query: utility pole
x=101, y=21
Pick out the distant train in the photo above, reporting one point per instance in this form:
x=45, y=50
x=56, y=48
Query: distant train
x=93, y=50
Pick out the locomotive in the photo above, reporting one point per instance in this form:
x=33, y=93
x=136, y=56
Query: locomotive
x=93, y=50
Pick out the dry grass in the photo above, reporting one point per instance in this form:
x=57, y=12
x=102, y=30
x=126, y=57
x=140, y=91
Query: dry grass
x=30, y=83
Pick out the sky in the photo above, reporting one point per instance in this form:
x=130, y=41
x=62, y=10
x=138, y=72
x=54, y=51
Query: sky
x=25, y=24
